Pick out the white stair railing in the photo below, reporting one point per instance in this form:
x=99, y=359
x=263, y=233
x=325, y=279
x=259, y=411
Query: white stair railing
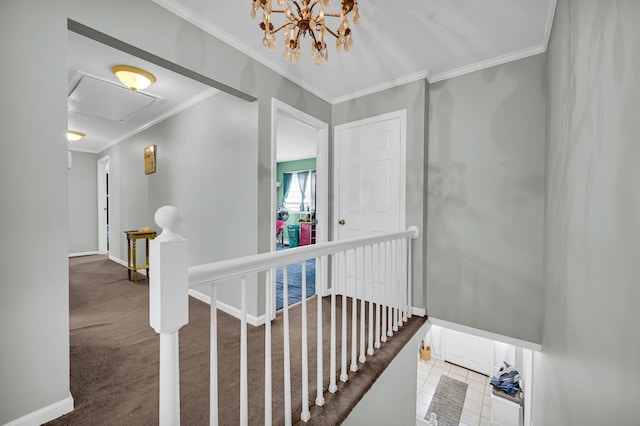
x=369, y=270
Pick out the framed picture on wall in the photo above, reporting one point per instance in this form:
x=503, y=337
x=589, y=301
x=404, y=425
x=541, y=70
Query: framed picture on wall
x=150, y=159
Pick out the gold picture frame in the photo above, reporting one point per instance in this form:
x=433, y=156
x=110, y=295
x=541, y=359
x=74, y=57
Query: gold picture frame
x=150, y=159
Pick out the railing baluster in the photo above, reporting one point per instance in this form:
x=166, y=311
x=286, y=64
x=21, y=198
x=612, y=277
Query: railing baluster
x=268, y=414
x=396, y=286
x=343, y=364
x=371, y=301
x=392, y=298
x=385, y=299
x=389, y=288
x=305, y=415
x=354, y=314
x=409, y=280
x=332, y=355
x=363, y=357
x=405, y=280
x=379, y=298
x=244, y=393
x=213, y=357
x=287, y=355
x=319, y=379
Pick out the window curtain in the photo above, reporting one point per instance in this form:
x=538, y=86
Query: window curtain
x=312, y=202
x=286, y=186
x=302, y=180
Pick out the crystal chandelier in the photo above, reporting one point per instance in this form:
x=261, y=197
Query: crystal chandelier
x=308, y=18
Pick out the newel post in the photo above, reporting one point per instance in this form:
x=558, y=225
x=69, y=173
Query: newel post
x=168, y=305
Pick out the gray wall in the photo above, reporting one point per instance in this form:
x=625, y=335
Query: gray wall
x=33, y=168
x=413, y=97
x=486, y=199
x=34, y=348
x=83, y=203
x=207, y=166
x=392, y=398
x=588, y=372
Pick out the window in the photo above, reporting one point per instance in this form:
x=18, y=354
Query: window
x=294, y=201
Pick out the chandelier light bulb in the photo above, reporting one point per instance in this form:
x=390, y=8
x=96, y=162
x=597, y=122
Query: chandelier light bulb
x=307, y=18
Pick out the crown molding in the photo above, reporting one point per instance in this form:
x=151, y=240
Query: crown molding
x=205, y=25
x=190, y=16
x=173, y=111
x=478, y=66
x=380, y=87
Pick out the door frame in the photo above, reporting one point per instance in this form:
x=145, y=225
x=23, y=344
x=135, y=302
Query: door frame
x=400, y=114
x=322, y=184
x=103, y=168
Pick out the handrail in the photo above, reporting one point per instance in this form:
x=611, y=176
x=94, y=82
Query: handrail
x=374, y=272
x=225, y=269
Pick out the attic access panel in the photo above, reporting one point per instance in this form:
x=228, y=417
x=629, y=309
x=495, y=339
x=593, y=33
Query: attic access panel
x=101, y=99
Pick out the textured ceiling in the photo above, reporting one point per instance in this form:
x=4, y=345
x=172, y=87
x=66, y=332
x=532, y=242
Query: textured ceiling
x=396, y=42
x=107, y=112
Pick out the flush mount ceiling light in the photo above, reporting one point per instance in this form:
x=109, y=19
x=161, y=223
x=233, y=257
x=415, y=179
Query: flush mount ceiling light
x=308, y=18
x=73, y=136
x=132, y=77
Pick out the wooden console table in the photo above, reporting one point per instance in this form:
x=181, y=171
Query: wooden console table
x=132, y=236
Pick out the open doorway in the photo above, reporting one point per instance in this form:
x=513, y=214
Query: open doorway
x=488, y=378
x=299, y=192
x=103, y=205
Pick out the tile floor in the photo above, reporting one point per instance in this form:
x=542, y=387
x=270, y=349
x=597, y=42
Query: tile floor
x=477, y=403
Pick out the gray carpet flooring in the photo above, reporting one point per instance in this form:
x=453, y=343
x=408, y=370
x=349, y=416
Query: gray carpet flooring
x=114, y=357
x=448, y=401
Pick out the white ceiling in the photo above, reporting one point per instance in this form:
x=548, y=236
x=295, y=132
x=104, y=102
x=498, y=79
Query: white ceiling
x=106, y=111
x=396, y=42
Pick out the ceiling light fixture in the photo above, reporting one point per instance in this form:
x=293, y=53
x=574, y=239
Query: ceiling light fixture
x=73, y=136
x=305, y=21
x=132, y=77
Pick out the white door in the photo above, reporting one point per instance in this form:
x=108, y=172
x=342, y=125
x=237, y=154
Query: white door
x=369, y=182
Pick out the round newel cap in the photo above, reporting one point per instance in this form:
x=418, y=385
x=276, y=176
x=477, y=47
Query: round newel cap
x=168, y=218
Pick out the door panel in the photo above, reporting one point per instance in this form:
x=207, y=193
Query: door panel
x=369, y=188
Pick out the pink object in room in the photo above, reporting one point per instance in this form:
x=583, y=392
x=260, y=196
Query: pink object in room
x=280, y=224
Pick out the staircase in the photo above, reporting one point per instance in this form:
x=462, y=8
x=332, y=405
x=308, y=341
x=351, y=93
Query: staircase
x=310, y=364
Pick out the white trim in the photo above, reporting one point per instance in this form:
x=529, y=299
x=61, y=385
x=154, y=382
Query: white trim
x=86, y=253
x=383, y=86
x=322, y=183
x=486, y=334
x=551, y=12
x=422, y=422
x=45, y=414
x=226, y=308
x=173, y=111
x=420, y=312
x=124, y=263
x=193, y=18
x=190, y=16
x=120, y=261
x=492, y=62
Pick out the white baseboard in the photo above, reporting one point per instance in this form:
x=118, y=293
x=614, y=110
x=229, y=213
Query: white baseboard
x=228, y=309
x=85, y=253
x=421, y=422
x=124, y=263
x=419, y=312
x=45, y=414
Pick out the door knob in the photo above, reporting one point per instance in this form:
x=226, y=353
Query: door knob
x=341, y=222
